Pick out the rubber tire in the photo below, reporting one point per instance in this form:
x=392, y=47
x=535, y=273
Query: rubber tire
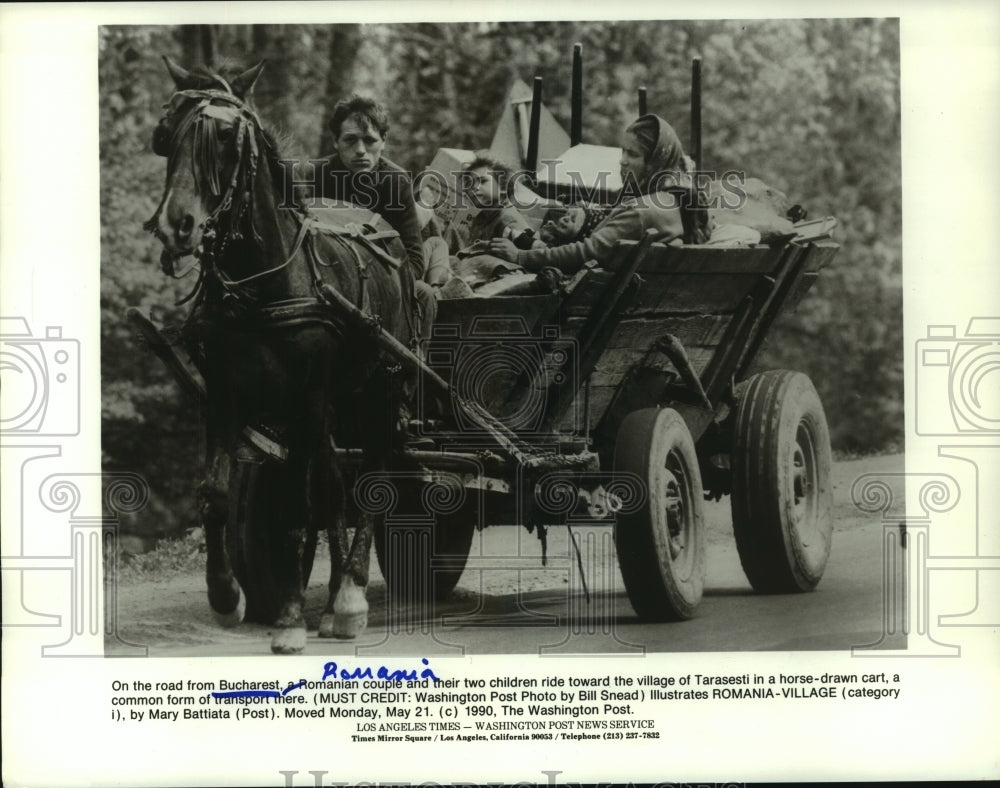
x=782, y=496
x=410, y=580
x=255, y=506
x=661, y=586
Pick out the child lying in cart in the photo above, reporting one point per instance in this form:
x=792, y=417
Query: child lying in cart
x=571, y=223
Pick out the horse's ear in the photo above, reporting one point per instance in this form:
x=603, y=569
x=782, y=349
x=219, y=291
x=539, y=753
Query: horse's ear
x=182, y=79
x=243, y=83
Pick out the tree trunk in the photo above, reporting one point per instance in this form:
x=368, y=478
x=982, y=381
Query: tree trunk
x=345, y=41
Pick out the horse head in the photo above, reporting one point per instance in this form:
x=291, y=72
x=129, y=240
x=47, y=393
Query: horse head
x=211, y=137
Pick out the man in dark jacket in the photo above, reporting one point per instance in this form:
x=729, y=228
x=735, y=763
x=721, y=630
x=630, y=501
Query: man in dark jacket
x=359, y=173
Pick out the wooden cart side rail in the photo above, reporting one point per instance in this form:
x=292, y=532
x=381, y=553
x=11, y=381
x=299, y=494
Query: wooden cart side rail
x=604, y=316
x=720, y=332
x=802, y=268
x=702, y=260
x=819, y=256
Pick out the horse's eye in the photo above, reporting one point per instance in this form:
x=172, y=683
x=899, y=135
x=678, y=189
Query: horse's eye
x=161, y=140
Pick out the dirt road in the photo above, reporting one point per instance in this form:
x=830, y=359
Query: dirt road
x=501, y=607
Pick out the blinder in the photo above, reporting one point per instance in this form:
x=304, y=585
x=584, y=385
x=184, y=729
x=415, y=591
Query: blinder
x=161, y=139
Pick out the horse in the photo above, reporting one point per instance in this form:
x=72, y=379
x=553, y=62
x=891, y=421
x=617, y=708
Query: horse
x=279, y=365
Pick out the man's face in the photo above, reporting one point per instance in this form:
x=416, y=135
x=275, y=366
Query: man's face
x=359, y=144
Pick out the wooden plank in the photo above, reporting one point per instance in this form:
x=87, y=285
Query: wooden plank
x=702, y=259
x=587, y=292
x=770, y=307
x=799, y=289
x=710, y=259
x=693, y=293
x=618, y=295
x=615, y=363
x=640, y=332
x=502, y=314
x=820, y=255
x=572, y=418
x=686, y=278
x=600, y=399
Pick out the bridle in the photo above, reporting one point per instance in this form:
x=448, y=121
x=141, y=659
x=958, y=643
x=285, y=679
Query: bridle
x=235, y=205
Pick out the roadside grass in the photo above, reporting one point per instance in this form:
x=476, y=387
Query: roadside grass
x=847, y=455
x=172, y=557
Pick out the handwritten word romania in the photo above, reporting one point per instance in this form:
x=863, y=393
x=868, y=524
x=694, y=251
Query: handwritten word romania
x=332, y=671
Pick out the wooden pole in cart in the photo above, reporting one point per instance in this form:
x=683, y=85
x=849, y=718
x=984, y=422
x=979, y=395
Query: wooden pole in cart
x=534, y=124
x=642, y=101
x=576, y=97
x=410, y=361
x=696, y=111
x=166, y=352
x=603, y=319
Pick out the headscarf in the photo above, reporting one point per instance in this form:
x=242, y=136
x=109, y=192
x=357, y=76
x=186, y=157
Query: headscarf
x=667, y=170
x=661, y=147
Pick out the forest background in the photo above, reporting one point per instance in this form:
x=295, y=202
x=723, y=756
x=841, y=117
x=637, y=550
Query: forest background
x=809, y=106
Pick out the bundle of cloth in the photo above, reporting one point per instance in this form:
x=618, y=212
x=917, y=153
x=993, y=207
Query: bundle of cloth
x=747, y=213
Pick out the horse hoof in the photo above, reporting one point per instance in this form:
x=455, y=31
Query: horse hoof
x=326, y=626
x=290, y=640
x=233, y=617
x=350, y=612
x=344, y=627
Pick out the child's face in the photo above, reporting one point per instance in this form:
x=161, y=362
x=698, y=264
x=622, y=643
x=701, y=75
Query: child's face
x=485, y=187
x=564, y=228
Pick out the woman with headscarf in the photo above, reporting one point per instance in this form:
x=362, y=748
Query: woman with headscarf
x=656, y=195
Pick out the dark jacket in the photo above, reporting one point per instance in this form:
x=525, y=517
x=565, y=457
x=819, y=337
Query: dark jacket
x=386, y=190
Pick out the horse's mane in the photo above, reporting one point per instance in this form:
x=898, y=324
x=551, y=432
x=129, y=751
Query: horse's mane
x=278, y=139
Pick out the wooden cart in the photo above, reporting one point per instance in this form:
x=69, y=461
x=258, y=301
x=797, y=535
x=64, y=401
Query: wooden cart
x=624, y=391
x=627, y=392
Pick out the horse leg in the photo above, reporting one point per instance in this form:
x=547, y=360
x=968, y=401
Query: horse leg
x=346, y=612
x=289, y=633
x=224, y=593
x=351, y=606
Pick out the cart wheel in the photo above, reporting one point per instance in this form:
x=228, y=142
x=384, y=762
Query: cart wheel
x=255, y=505
x=413, y=566
x=661, y=547
x=781, y=497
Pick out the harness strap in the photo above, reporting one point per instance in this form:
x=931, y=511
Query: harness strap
x=406, y=282
x=296, y=245
x=356, y=233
